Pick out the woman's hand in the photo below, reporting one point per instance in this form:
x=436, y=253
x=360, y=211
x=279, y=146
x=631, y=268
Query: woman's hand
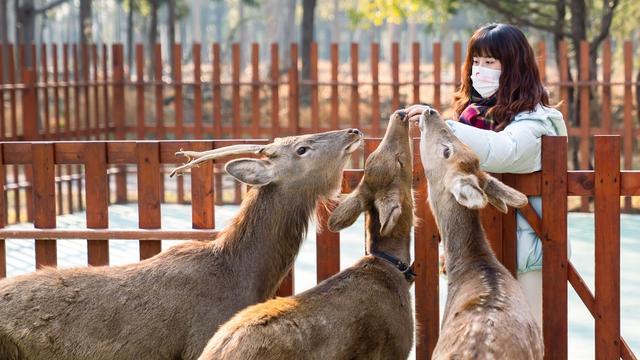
x=414, y=111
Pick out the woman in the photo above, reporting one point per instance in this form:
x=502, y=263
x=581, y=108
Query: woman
x=503, y=111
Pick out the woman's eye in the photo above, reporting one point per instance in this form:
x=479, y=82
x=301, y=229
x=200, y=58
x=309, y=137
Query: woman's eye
x=302, y=150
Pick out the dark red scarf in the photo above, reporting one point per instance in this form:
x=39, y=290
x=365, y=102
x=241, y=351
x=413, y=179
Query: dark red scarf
x=475, y=114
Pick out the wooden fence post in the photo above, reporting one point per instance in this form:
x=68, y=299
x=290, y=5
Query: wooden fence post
x=607, y=246
x=554, y=246
x=3, y=215
x=44, y=201
x=294, y=91
x=96, y=184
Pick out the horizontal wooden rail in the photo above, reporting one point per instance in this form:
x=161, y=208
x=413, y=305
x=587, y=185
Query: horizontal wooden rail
x=111, y=234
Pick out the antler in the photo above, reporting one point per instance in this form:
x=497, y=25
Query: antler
x=196, y=157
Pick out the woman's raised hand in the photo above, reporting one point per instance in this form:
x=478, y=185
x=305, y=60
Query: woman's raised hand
x=414, y=111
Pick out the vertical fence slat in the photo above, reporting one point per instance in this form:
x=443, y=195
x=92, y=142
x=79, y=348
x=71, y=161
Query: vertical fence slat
x=67, y=120
x=584, y=115
x=287, y=285
x=457, y=64
x=542, y=61
x=105, y=93
x=117, y=59
x=178, y=109
x=427, y=290
x=217, y=115
x=275, y=87
x=492, y=222
x=236, y=115
x=96, y=92
x=327, y=247
x=197, y=91
x=315, y=106
x=159, y=96
x=77, y=132
x=148, y=194
x=56, y=92
x=140, y=105
x=437, y=74
x=95, y=165
x=607, y=247
x=415, y=56
x=395, y=76
x=335, y=104
x=3, y=130
x=563, y=88
x=255, y=90
x=3, y=214
x=627, y=114
x=375, y=90
x=354, y=115
x=44, y=201
x=294, y=91
x=217, y=101
x=44, y=77
x=554, y=246
x=13, y=134
x=85, y=91
x=606, y=86
x=30, y=127
x=202, y=193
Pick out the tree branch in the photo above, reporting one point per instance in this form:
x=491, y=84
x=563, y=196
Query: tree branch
x=49, y=6
x=495, y=5
x=605, y=23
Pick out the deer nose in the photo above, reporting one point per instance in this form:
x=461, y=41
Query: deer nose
x=402, y=114
x=354, y=131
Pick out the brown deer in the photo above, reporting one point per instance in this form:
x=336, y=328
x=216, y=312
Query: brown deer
x=169, y=306
x=486, y=314
x=363, y=312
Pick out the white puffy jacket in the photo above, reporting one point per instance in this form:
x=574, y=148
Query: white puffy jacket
x=516, y=149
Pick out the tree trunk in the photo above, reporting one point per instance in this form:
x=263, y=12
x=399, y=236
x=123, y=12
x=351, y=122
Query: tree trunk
x=85, y=22
x=130, y=49
x=171, y=33
x=307, y=36
x=288, y=31
x=335, y=34
x=4, y=36
x=153, y=36
x=26, y=23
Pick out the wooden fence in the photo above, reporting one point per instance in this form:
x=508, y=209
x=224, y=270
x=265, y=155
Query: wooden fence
x=554, y=184
x=86, y=92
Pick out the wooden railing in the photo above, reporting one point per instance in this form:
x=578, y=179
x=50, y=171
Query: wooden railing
x=88, y=93
x=554, y=184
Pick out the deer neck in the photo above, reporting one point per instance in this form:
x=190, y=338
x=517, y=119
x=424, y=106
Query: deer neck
x=462, y=234
x=265, y=237
x=397, y=243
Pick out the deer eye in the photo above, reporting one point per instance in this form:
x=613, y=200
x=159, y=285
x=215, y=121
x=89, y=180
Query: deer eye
x=446, y=152
x=302, y=150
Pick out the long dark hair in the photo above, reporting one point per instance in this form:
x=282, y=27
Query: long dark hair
x=520, y=86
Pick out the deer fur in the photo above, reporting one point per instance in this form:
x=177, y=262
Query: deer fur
x=168, y=306
x=363, y=312
x=486, y=314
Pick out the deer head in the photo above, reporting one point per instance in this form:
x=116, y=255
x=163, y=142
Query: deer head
x=385, y=188
x=451, y=166
x=304, y=162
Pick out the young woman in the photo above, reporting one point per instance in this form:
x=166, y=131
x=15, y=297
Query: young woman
x=503, y=111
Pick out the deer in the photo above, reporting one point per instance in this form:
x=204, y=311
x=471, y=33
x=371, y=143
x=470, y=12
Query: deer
x=363, y=312
x=486, y=314
x=169, y=306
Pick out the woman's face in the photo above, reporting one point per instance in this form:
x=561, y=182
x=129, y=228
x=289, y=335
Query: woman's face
x=487, y=62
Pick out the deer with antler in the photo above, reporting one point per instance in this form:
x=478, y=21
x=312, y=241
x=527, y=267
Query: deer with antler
x=168, y=306
x=486, y=314
x=363, y=312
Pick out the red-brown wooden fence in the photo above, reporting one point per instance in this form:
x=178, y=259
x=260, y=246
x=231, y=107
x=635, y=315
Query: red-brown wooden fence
x=606, y=183
x=86, y=92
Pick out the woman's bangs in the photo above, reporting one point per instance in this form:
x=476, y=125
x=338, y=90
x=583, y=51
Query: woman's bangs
x=485, y=46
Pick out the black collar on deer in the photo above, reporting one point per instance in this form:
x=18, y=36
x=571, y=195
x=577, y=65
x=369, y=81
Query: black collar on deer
x=405, y=269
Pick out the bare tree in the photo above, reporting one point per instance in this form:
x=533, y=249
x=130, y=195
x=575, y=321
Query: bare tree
x=26, y=13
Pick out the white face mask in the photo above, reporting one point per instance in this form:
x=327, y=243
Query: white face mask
x=485, y=80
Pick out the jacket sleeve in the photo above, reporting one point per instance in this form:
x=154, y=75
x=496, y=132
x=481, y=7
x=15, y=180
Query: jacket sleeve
x=516, y=149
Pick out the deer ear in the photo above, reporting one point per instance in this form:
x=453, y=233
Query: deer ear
x=254, y=172
x=389, y=209
x=467, y=192
x=346, y=212
x=501, y=195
